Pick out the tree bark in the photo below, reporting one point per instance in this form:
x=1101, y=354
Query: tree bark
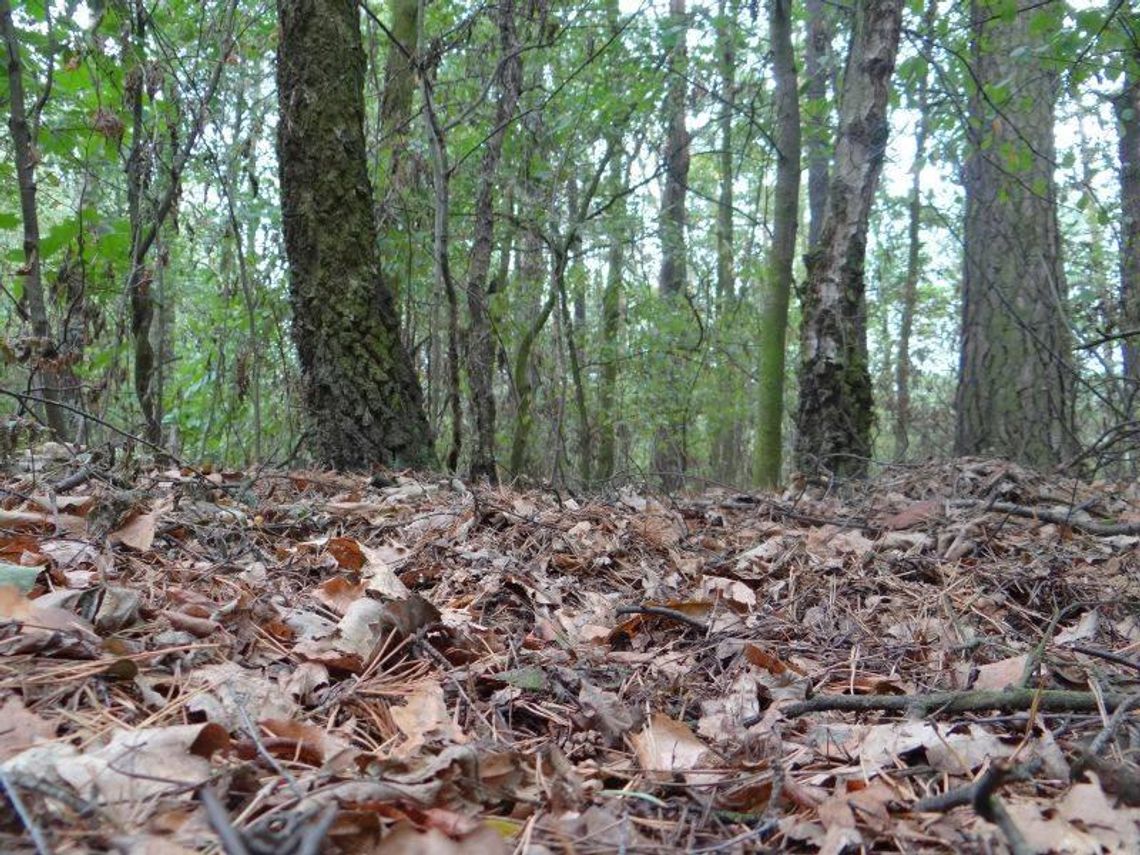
x=669, y=452
x=441, y=252
x=724, y=420
x=782, y=253
x=817, y=66
x=1015, y=389
x=913, y=256
x=1127, y=105
x=835, y=407
x=362, y=396
x=23, y=142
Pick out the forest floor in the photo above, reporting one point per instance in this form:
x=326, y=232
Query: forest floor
x=942, y=660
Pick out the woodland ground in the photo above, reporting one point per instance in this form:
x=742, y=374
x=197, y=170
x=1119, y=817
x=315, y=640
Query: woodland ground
x=308, y=662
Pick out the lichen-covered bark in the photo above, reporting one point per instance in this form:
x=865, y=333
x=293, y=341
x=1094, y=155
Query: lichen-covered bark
x=834, y=414
x=817, y=53
x=1015, y=390
x=361, y=393
x=782, y=253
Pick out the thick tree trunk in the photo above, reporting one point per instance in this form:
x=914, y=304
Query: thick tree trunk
x=669, y=452
x=361, y=393
x=817, y=67
x=1128, y=119
x=835, y=406
x=24, y=145
x=1015, y=390
x=782, y=253
x=913, y=257
x=480, y=342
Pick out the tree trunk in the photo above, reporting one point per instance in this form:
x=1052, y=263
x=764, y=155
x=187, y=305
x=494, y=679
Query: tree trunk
x=669, y=452
x=611, y=321
x=724, y=452
x=1015, y=388
x=441, y=252
x=1128, y=119
x=913, y=256
x=835, y=406
x=816, y=65
x=782, y=253
x=23, y=142
x=361, y=393
x=480, y=342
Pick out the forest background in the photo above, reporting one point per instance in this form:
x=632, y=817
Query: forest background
x=619, y=241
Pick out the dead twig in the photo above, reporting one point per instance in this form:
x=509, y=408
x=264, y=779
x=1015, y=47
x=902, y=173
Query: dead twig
x=34, y=832
x=962, y=796
x=1016, y=700
x=992, y=809
x=1052, y=515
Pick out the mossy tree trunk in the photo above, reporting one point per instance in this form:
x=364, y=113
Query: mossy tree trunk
x=834, y=414
x=782, y=253
x=362, y=396
x=1015, y=386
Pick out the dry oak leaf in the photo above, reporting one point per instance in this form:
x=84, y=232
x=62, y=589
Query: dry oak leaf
x=234, y=697
x=138, y=766
x=20, y=728
x=137, y=533
x=424, y=716
x=666, y=746
x=405, y=839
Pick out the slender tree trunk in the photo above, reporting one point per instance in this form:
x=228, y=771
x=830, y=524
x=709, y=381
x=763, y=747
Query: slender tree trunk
x=913, y=255
x=782, y=253
x=480, y=342
x=835, y=406
x=669, y=453
x=817, y=68
x=561, y=247
x=1128, y=120
x=611, y=322
x=361, y=392
x=441, y=249
x=147, y=216
x=724, y=419
x=23, y=142
x=1015, y=390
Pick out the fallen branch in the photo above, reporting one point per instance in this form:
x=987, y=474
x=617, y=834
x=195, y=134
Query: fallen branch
x=982, y=700
x=1065, y=517
x=962, y=796
x=992, y=809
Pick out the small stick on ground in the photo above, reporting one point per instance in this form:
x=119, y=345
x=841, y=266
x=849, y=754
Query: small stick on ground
x=992, y=809
x=1017, y=700
x=34, y=832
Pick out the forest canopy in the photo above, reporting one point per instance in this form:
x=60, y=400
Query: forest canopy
x=579, y=242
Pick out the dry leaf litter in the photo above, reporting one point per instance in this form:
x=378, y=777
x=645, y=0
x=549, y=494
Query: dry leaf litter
x=943, y=660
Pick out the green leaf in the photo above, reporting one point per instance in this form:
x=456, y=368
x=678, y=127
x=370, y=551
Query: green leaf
x=18, y=576
x=61, y=235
